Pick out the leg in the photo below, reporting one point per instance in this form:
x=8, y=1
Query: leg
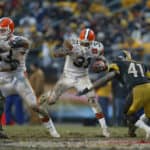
x=118, y=111
x=19, y=110
x=8, y=109
x=61, y=86
x=96, y=108
x=53, y=95
x=24, y=89
x=46, y=120
x=2, y=134
x=130, y=118
x=104, y=103
x=138, y=100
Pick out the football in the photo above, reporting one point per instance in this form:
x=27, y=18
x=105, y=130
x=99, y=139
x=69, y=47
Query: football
x=98, y=66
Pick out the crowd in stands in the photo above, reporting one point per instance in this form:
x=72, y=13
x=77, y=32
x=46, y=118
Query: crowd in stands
x=118, y=24
x=47, y=23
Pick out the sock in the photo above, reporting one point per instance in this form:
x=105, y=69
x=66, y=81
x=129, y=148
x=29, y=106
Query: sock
x=49, y=124
x=100, y=117
x=102, y=122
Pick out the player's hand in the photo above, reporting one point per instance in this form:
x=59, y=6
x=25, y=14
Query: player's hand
x=83, y=92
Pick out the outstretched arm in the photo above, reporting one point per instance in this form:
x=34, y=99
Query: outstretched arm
x=66, y=50
x=99, y=83
x=113, y=72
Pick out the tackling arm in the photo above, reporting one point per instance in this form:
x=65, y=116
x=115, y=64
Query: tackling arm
x=99, y=83
x=113, y=72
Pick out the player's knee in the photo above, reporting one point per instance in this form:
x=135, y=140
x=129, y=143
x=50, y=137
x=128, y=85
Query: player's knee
x=131, y=111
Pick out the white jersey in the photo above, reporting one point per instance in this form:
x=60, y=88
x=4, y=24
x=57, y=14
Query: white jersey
x=15, y=82
x=18, y=54
x=79, y=61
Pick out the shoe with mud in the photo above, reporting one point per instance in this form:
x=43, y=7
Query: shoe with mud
x=131, y=131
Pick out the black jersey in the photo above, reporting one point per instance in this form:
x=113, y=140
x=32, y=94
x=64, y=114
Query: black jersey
x=131, y=73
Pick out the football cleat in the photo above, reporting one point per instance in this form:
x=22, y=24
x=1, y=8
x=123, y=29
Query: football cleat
x=51, y=128
x=54, y=133
x=131, y=131
x=105, y=133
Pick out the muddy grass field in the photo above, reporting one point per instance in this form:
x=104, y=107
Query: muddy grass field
x=73, y=137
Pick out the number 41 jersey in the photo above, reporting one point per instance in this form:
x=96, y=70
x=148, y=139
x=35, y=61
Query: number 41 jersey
x=132, y=73
x=81, y=57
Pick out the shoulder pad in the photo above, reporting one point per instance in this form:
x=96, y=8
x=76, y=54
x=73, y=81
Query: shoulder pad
x=19, y=41
x=98, y=46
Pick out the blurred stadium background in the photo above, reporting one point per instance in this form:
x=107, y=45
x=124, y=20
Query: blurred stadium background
x=118, y=24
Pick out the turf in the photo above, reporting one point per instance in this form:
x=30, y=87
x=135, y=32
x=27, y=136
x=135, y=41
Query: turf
x=73, y=136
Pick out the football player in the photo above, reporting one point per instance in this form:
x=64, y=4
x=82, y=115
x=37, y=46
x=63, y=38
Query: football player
x=79, y=55
x=13, y=80
x=135, y=76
